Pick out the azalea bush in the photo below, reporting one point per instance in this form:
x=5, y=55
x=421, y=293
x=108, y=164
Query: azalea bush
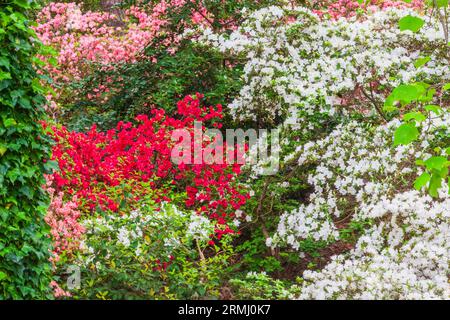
x=159, y=80
x=116, y=175
x=154, y=252
x=98, y=166
x=328, y=95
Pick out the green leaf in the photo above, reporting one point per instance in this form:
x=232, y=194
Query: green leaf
x=51, y=166
x=422, y=180
x=442, y=3
x=22, y=3
x=411, y=23
x=405, y=93
x=418, y=116
x=9, y=122
x=420, y=162
x=429, y=96
x=436, y=163
x=405, y=134
x=388, y=106
x=433, y=108
x=37, y=87
x=435, y=185
x=4, y=62
x=446, y=87
x=447, y=151
x=2, y=150
x=4, y=75
x=421, y=61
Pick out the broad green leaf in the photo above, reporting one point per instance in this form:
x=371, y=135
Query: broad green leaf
x=9, y=122
x=2, y=150
x=421, y=61
x=436, y=163
x=420, y=162
x=22, y=3
x=411, y=23
x=433, y=108
x=435, y=185
x=405, y=93
x=428, y=96
x=51, y=166
x=418, y=116
x=405, y=134
x=447, y=151
x=422, y=180
x=4, y=75
x=446, y=87
x=4, y=62
x=442, y=3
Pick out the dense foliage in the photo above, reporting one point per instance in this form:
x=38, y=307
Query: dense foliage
x=24, y=148
x=356, y=95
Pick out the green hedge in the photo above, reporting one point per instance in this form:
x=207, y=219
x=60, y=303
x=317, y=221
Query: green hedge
x=24, y=243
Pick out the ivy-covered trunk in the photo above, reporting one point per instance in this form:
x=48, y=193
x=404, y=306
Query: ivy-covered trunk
x=24, y=243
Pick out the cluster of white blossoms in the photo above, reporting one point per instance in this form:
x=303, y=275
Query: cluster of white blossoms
x=308, y=66
x=299, y=72
x=352, y=165
x=172, y=226
x=405, y=256
x=200, y=228
x=360, y=176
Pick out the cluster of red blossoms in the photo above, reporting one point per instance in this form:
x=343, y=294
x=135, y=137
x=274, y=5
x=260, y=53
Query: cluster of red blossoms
x=139, y=155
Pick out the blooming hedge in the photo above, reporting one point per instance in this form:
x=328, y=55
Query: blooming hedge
x=94, y=164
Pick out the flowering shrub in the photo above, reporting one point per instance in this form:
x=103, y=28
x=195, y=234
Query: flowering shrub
x=357, y=93
x=324, y=82
x=93, y=163
x=350, y=8
x=155, y=84
x=92, y=41
x=152, y=252
x=82, y=39
x=62, y=217
x=313, y=66
x=371, y=169
x=101, y=37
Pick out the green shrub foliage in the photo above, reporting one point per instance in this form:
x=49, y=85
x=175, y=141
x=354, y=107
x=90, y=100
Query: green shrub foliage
x=24, y=241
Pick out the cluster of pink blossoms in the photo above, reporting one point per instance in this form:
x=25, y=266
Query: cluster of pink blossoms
x=101, y=37
x=58, y=292
x=62, y=217
x=65, y=230
x=82, y=38
x=348, y=8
